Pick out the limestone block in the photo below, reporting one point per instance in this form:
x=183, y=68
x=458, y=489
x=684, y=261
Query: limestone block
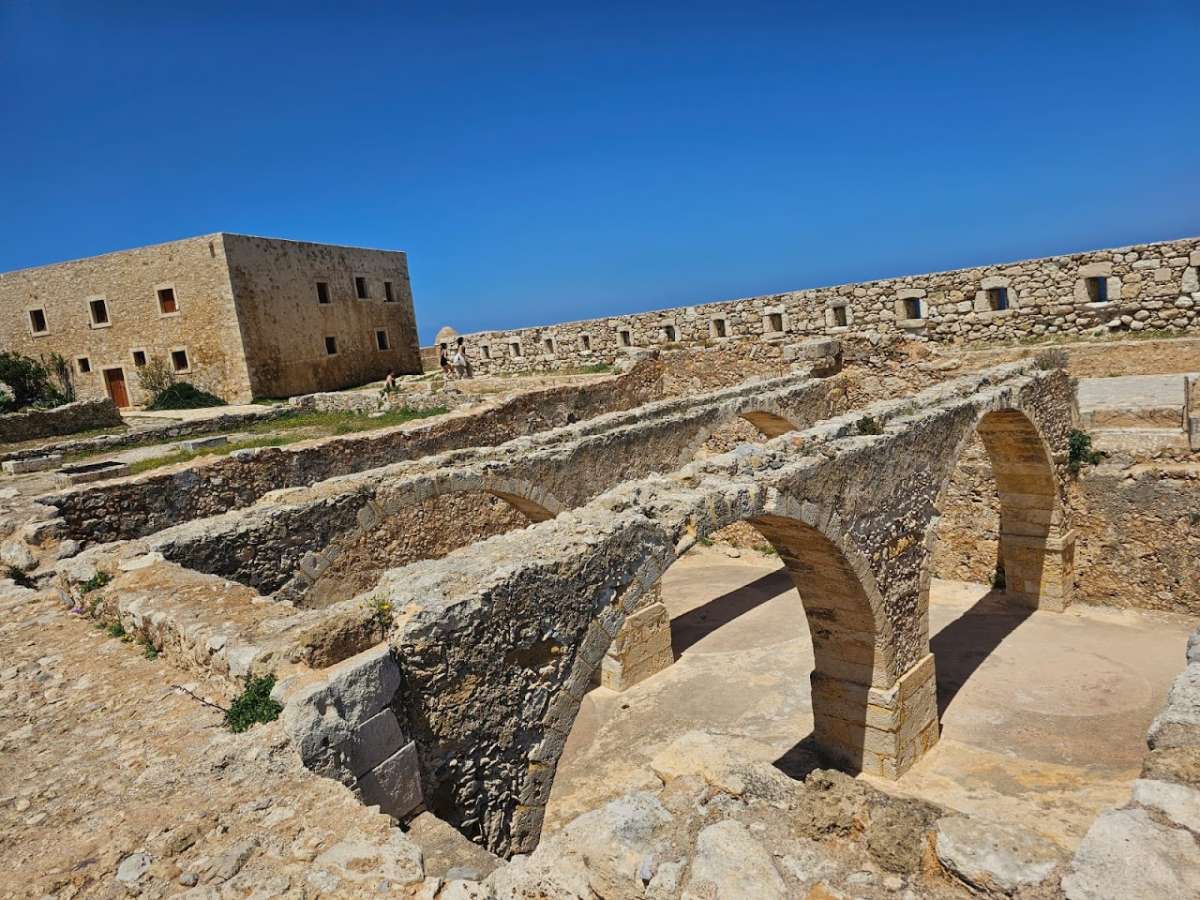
x=372, y=742
x=1178, y=722
x=1178, y=802
x=1167, y=865
x=641, y=648
x=203, y=443
x=32, y=464
x=395, y=784
x=729, y=862
x=994, y=858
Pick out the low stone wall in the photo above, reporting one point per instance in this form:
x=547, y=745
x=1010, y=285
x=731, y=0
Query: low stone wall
x=1126, y=289
x=144, y=504
x=81, y=415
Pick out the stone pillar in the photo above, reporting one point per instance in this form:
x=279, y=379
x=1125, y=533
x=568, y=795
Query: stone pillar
x=641, y=648
x=878, y=731
x=1039, y=571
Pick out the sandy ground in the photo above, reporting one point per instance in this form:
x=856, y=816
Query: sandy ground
x=1044, y=715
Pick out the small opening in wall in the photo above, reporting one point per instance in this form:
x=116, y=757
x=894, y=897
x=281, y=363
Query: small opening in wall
x=360, y=288
x=179, y=360
x=997, y=298
x=381, y=338
x=212, y=251
x=323, y=292
x=515, y=348
x=389, y=295
x=670, y=335
x=548, y=343
x=84, y=365
x=839, y=317
x=139, y=358
x=912, y=307
x=585, y=343
x=720, y=329
x=166, y=301
x=330, y=345
x=1097, y=289
x=99, y=310
x=775, y=322
x=37, y=321
x=626, y=338
x=487, y=351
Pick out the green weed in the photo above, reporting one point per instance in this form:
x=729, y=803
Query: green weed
x=253, y=705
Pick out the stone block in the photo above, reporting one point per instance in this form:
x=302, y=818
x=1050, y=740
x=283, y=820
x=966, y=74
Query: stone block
x=1167, y=865
x=203, y=443
x=372, y=742
x=32, y=464
x=395, y=784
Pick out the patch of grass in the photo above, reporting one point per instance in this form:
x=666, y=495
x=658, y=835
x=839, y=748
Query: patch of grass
x=1080, y=452
x=331, y=422
x=704, y=541
x=1051, y=359
x=253, y=705
x=97, y=581
x=148, y=649
x=20, y=577
x=155, y=462
x=868, y=425
x=766, y=549
x=382, y=612
x=115, y=630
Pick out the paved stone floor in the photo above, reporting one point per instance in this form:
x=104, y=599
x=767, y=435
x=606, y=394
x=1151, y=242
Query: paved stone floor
x=1044, y=716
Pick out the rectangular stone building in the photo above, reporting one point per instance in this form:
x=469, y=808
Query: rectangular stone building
x=239, y=316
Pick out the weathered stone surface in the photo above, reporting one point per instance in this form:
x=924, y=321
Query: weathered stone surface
x=372, y=742
x=1127, y=854
x=66, y=419
x=1178, y=722
x=395, y=784
x=359, y=860
x=729, y=863
x=32, y=464
x=1179, y=803
x=994, y=858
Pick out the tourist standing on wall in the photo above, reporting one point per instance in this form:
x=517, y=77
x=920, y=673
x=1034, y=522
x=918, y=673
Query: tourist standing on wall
x=461, y=367
x=444, y=361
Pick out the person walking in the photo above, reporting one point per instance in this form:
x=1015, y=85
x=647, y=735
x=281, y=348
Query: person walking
x=444, y=360
x=460, y=361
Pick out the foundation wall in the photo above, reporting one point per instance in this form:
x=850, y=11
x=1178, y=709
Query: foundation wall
x=67, y=419
x=1145, y=287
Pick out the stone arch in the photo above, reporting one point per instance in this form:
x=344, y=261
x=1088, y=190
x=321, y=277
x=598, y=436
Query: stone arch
x=1037, y=545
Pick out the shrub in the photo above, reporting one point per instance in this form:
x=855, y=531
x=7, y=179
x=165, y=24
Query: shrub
x=61, y=370
x=155, y=377
x=116, y=630
x=1051, y=359
x=97, y=581
x=1080, y=452
x=253, y=705
x=28, y=379
x=8, y=400
x=182, y=395
x=868, y=425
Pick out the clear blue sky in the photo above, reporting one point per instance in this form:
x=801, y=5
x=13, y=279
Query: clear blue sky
x=542, y=162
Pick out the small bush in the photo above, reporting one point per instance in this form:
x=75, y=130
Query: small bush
x=382, y=612
x=148, y=649
x=182, y=395
x=97, y=581
x=116, y=630
x=20, y=578
x=868, y=425
x=1051, y=359
x=155, y=377
x=766, y=549
x=29, y=381
x=1080, y=452
x=61, y=370
x=253, y=705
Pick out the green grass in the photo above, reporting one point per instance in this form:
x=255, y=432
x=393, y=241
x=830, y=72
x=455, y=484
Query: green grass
x=115, y=630
x=97, y=581
x=156, y=462
x=253, y=705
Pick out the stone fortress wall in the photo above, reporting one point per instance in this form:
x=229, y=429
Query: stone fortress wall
x=1127, y=289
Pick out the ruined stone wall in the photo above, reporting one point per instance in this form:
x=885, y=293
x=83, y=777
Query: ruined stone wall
x=67, y=419
x=205, y=323
x=144, y=504
x=284, y=326
x=1137, y=526
x=1148, y=286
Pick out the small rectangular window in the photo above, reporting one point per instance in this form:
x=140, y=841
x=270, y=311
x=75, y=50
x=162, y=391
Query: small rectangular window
x=720, y=329
x=997, y=298
x=166, y=301
x=1097, y=290
x=515, y=348
x=775, y=322
x=179, y=360
x=84, y=365
x=839, y=316
x=912, y=307
x=585, y=343
x=323, y=292
x=99, y=310
x=626, y=338
x=330, y=345
x=381, y=339
x=139, y=358
x=37, y=321
x=549, y=344
x=669, y=334
x=360, y=287
x=388, y=295
x=487, y=351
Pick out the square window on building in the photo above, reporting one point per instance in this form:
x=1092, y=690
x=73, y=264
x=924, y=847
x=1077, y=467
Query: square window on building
x=997, y=298
x=1097, y=289
x=166, y=301
x=330, y=345
x=381, y=339
x=179, y=360
x=389, y=295
x=99, y=311
x=775, y=322
x=720, y=328
x=323, y=292
x=84, y=365
x=360, y=287
x=626, y=338
x=37, y=321
x=670, y=335
x=515, y=348
x=139, y=358
x=585, y=343
x=912, y=307
x=839, y=317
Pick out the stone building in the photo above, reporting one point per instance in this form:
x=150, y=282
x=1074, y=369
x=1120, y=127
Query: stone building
x=1137, y=288
x=239, y=316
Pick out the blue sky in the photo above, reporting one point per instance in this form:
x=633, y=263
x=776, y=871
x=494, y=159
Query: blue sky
x=542, y=162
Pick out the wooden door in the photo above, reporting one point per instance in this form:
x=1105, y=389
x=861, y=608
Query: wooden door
x=114, y=382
